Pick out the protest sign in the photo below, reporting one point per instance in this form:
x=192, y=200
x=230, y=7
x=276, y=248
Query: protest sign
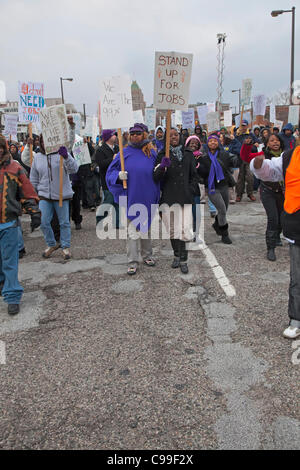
x=2, y=92
x=138, y=116
x=77, y=121
x=259, y=105
x=294, y=114
x=81, y=151
x=246, y=117
x=202, y=113
x=54, y=127
x=150, y=118
x=11, y=125
x=272, y=113
x=213, y=123
x=278, y=124
x=31, y=101
x=172, y=78
x=178, y=117
x=211, y=107
x=116, y=102
x=188, y=119
x=173, y=120
x=246, y=91
x=228, y=118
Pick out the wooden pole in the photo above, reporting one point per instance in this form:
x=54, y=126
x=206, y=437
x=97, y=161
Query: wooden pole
x=61, y=180
x=168, y=130
x=122, y=155
x=30, y=146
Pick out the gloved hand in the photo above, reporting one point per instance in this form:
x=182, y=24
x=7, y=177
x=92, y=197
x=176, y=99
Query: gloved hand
x=63, y=152
x=165, y=163
x=35, y=221
x=123, y=175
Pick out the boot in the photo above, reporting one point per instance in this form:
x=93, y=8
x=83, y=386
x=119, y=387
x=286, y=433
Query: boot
x=175, y=246
x=216, y=226
x=271, y=238
x=183, y=254
x=225, y=236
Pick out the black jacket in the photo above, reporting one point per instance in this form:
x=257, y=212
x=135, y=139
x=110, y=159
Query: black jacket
x=226, y=160
x=103, y=157
x=179, y=182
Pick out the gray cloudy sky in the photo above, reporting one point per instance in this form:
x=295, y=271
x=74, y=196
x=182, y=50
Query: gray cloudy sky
x=87, y=39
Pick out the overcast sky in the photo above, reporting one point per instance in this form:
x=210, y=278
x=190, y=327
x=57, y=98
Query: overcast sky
x=88, y=39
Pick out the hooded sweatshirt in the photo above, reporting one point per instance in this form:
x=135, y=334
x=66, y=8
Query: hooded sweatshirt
x=159, y=143
x=289, y=141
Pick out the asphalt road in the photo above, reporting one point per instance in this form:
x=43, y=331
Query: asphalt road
x=100, y=360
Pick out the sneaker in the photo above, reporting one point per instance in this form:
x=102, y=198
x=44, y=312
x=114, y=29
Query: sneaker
x=13, y=309
x=291, y=332
x=92, y=209
x=48, y=252
x=184, y=268
x=176, y=263
x=66, y=253
x=238, y=199
x=251, y=197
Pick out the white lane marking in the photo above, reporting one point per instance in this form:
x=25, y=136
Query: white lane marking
x=2, y=353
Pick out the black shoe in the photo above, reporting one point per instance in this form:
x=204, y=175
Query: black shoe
x=22, y=253
x=176, y=263
x=77, y=226
x=271, y=254
x=226, y=240
x=13, y=309
x=184, y=268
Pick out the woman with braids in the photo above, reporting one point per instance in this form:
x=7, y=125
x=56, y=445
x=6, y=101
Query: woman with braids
x=271, y=193
x=179, y=181
x=139, y=158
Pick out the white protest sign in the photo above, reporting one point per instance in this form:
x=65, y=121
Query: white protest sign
x=228, y=118
x=88, y=130
x=2, y=92
x=11, y=125
x=246, y=117
x=172, y=78
x=95, y=129
x=213, y=123
x=211, y=107
x=202, y=113
x=246, y=92
x=178, y=117
x=188, y=119
x=294, y=114
x=81, y=151
x=278, y=124
x=272, y=113
x=259, y=105
x=31, y=101
x=150, y=118
x=54, y=127
x=173, y=120
x=77, y=121
x=138, y=116
x=116, y=102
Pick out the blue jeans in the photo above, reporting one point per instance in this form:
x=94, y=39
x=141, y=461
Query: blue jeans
x=47, y=209
x=21, y=245
x=211, y=207
x=9, y=259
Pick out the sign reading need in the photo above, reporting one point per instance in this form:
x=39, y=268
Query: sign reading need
x=31, y=101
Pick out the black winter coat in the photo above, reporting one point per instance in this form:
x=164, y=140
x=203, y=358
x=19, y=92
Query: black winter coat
x=103, y=157
x=226, y=160
x=179, y=182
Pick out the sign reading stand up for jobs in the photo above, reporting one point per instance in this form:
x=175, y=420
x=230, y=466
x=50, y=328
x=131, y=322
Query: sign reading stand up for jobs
x=172, y=78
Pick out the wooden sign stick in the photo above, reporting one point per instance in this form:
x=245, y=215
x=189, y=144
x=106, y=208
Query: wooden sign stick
x=61, y=180
x=168, y=130
x=122, y=155
x=30, y=146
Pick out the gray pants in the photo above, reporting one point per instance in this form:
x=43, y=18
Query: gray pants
x=136, y=244
x=294, y=290
x=221, y=200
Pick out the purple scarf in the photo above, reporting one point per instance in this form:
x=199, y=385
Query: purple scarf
x=215, y=172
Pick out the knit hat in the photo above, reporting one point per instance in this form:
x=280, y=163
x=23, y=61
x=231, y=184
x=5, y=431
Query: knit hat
x=107, y=134
x=213, y=136
x=138, y=127
x=190, y=138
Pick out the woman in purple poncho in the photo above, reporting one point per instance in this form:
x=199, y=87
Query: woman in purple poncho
x=139, y=158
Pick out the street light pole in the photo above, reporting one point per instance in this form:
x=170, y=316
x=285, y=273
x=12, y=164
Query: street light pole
x=61, y=87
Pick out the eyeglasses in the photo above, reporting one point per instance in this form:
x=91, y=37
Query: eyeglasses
x=136, y=133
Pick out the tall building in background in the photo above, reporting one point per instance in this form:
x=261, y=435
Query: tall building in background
x=138, y=101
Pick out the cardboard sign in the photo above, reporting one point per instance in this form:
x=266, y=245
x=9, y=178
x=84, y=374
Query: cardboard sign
x=272, y=113
x=2, y=92
x=188, y=119
x=31, y=101
x=213, y=123
x=178, y=117
x=246, y=117
x=54, y=128
x=202, y=113
x=211, y=107
x=77, y=121
x=11, y=125
x=228, y=118
x=150, y=118
x=172, y=78
x=294, y=114
x=91, y=128
x=259, y=105
x=116, y=102
x=81, y=151
x=278, y=124
x=246, y=92
x=138, y=116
